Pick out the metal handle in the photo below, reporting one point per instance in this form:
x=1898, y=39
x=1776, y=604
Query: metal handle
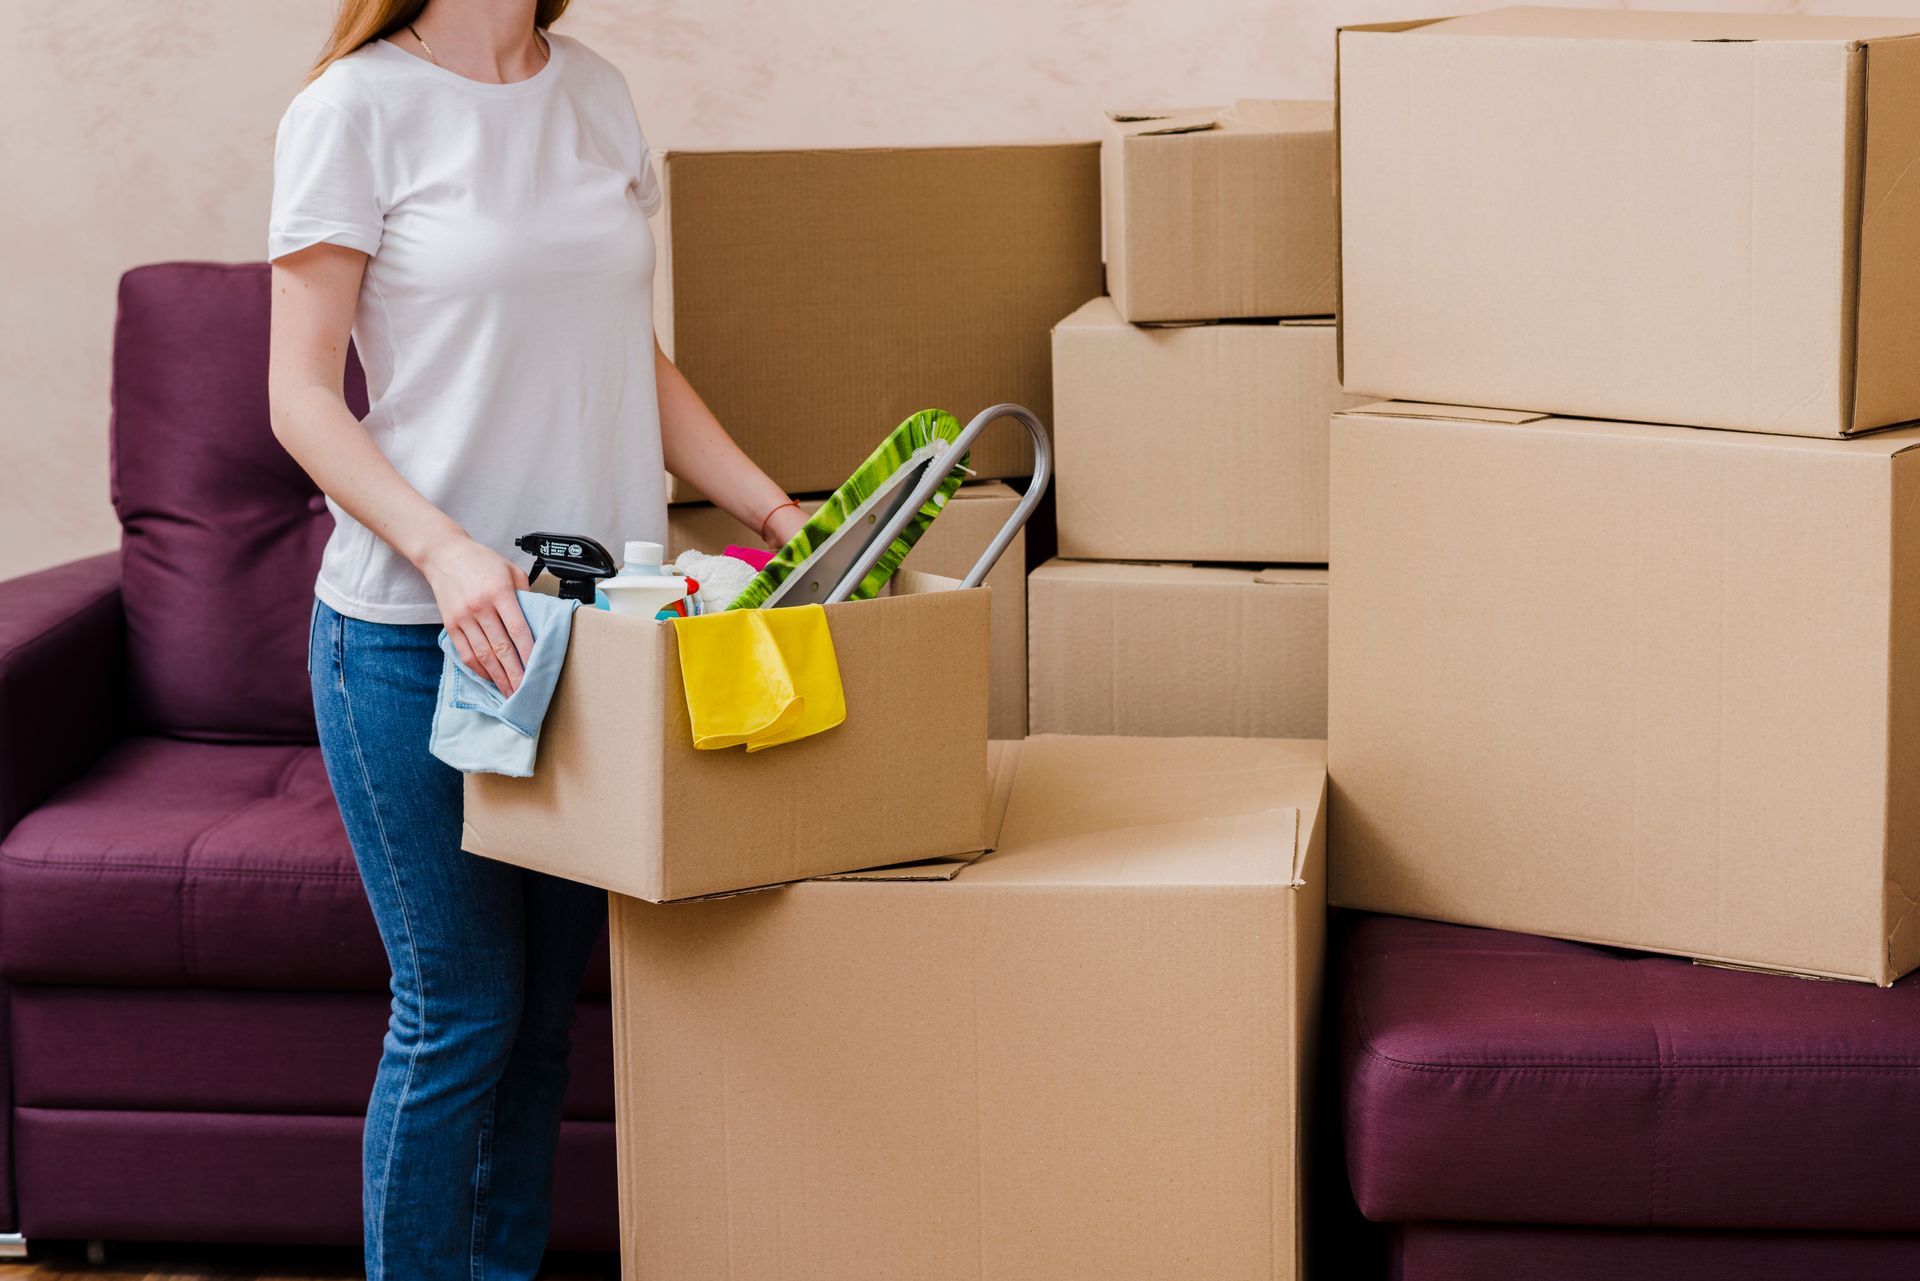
x=929, y=483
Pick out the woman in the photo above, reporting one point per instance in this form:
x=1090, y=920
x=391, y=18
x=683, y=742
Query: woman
x=466, y=191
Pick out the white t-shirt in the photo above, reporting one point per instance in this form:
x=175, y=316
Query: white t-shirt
x=505, y=321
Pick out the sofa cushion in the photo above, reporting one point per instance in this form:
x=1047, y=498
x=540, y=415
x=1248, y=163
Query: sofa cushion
x=1496, y=1077
x=178, y=864
x=202, y=1050
x=1479, y=1252
x=221, y=529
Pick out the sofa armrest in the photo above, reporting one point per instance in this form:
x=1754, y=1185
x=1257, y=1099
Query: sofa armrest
x=61, y=651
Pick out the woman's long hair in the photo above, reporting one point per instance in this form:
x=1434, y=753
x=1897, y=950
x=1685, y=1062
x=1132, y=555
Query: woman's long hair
x=361, y=21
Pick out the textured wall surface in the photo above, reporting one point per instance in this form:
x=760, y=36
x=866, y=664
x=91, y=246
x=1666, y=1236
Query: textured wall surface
x=132, y=133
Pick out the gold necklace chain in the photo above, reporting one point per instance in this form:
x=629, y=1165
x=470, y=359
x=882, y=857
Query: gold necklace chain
x=546, y=48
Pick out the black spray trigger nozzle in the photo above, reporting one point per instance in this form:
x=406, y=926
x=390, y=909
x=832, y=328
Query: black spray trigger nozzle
x=577, y=561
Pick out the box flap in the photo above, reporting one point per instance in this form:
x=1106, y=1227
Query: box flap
x=1166, y=811
x=1653, y=25
x=1007, y=239
x=1145, y=124
x=1447, y=413
x=1292, y=576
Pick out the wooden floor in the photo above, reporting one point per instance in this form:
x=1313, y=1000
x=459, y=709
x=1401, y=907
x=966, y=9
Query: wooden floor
x=67, y=1261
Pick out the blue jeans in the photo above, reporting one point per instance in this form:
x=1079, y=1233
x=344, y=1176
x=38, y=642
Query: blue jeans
x=487, y=961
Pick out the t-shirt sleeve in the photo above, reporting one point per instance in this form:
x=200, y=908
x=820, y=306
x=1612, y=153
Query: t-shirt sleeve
x=646, y=183
x=324, y=189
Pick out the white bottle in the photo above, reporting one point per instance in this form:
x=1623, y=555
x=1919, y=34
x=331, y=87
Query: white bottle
x=644, y=586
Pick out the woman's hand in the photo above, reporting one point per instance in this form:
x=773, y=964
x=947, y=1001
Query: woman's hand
x=474, y=587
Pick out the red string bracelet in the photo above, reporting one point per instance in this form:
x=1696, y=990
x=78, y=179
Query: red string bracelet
x=775, y=512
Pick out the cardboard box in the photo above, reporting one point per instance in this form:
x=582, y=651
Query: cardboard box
x=1220, y=212
x=1168, y=650
x=951, y=547
x=620, y=797
x=1647, y=686
x=1704, y=219
x=1085, y=1055
x=818, y=298
x=1200, y=442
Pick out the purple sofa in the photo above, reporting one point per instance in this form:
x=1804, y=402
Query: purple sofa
x=194, y=991
x=1523, y=1107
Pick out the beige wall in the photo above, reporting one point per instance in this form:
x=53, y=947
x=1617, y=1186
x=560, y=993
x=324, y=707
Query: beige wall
x=142, y=131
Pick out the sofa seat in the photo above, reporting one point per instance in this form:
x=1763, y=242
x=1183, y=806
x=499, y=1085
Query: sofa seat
x=200, y=1050
x=1500, y=1078
x=172, y=863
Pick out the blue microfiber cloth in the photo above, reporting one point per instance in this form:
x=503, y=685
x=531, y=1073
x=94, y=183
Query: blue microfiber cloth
x=476, y=729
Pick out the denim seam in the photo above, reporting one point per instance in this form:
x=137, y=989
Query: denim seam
x=482, y=1173
x=413, y=951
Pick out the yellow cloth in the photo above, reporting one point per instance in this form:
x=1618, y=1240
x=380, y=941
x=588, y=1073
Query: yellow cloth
x=759, y=676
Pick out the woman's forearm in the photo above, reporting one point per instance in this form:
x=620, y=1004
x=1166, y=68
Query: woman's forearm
x=699, y=451
x=315, y=426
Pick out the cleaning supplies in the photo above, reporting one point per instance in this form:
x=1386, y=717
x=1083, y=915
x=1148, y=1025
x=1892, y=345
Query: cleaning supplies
x=759, y=677
x=754, y=556
x=721, y=578
x=850, y=547
x=576, y=560
x=645, y=587
x=813, y=564
x=476, y=728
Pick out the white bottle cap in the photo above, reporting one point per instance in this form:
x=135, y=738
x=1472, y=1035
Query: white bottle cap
x=639, y=553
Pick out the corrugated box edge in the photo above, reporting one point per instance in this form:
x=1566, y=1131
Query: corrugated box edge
x=1339, y=210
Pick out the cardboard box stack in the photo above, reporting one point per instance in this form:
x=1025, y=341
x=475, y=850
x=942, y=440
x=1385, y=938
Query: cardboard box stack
x=1644, y=685
x=1190, y=433
x=817, y=298
x=1626, y=647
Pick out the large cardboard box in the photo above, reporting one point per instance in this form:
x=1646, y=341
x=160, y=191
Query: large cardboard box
x=950, y=548
x=1196, y=442
x=1704, y=219
x=815, y=299
x=1168, y=650
x=620, y=797
x=1085, y=1055
x=1220, y=212
x=1648, y=686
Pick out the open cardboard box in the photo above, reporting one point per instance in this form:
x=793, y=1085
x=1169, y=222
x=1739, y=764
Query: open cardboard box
x=1087, y=1053
x=817, y=297
x=620, y=798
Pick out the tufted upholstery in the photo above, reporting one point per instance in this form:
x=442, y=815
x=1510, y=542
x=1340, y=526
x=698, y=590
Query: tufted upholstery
x=222, y=530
